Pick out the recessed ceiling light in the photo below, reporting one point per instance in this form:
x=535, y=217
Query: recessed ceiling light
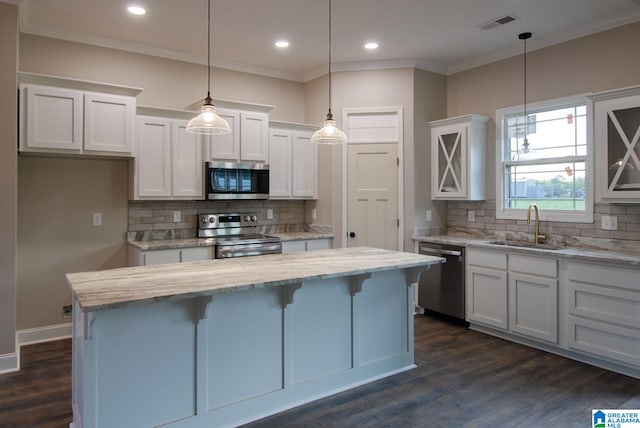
x=371, y=45
x=135, y=9
x=282, y=44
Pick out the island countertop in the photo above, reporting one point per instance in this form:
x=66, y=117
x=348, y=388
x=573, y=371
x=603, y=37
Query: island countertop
x=123, y=286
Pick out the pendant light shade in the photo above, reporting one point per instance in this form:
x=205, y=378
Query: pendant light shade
x=208, y=122
x=329, y=133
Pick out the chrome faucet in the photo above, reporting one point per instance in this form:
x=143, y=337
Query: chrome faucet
x=538, y=236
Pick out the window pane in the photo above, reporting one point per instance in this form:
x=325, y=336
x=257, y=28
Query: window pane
x=553, y=133
x=551, y=186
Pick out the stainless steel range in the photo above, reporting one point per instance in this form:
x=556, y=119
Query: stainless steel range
x=236, y=235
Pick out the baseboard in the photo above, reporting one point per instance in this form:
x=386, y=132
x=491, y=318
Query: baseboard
x=9, y=363
x=43, y=334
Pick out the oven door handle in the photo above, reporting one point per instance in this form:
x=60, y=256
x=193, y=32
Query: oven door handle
x=439, y=252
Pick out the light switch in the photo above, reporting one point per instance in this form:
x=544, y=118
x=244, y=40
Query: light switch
x=471, y=215
x=429, y=215
x=177, y=217
x=313, y=214
x=97, y=219
x=269, y=214
x=609, y=222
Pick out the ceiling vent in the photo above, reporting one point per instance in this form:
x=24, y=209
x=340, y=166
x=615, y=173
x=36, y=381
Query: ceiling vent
x=497, y=22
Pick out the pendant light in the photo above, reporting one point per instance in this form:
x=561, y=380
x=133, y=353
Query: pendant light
x=208, y=122
x=329, y=133
x=525, y=150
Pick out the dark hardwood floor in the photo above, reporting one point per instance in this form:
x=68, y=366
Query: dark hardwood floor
x=463, y=379
x=39, y=395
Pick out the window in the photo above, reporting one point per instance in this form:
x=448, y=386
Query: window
x=548, y=163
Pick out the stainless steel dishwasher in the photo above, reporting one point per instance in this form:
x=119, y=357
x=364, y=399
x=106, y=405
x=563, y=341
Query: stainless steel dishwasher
x=441, y=287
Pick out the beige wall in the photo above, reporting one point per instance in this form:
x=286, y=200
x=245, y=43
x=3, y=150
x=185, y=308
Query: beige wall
x=56, y=199
x=166, y=83
x=429, y=104
x=598, y=62
x=8, y=175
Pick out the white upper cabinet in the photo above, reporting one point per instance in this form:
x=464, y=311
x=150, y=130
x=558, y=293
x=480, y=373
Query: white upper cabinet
x=293, y=171
x=169, y=161
x=227, y=146
x=109, y=123
x=187, y=162
x=153, y=159
x=458, y=158
x=249, y=137
x=617, y=145
x=59, y=115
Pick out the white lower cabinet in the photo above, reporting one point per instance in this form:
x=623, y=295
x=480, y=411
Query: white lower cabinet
x=514, y=293
x=306, y=245
x=487, y=287
x=583, y=310
x=533, y=297
x=604, y=311
x=174, y=255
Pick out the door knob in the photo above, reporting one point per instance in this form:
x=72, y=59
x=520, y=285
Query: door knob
x=352, y=234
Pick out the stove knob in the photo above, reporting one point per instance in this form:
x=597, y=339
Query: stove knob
x=247, y=218
x=203, y=220
x=212, y=219
x=254, y=218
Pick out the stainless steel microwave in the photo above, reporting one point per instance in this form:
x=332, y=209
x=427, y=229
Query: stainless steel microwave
x=237, y=180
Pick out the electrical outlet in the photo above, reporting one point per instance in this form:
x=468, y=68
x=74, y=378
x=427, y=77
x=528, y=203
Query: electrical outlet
x=313, y=214
x=66, y=311
x=177, y=216
x=97, y=219
x=269, y=214
x=609, y=222
x=429, y=215
x=471, y=215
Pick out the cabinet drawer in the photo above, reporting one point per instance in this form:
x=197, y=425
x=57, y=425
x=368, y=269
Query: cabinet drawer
x=608, y=304
x=605, y=340
x=487, y=258
x=533, y=265
x=604, y=275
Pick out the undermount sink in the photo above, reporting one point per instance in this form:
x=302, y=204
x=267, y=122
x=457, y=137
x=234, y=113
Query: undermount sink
x=526, y=244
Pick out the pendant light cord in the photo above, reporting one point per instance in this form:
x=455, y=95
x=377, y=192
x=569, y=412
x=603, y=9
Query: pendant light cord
x=525, y=36
x=209, y=51
x=329, y=116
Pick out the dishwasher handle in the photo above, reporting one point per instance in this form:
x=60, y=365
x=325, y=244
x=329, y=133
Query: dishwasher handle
x=439, y=251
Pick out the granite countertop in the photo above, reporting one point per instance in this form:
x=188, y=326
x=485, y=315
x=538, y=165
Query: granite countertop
x=617, y=256
x=123, y=286
x=165, y=244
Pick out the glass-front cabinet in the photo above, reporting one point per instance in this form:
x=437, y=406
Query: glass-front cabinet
x=458, y=158
x=617, y=146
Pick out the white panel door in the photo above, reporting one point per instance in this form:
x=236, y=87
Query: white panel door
x=280, y=164
x=373, y=195
x=153, y=160
x=227, y=146
x=187, y=162
x=487, y=292
x=53, y=118
x=109, y=122
x=254, y=136
x=305, y=173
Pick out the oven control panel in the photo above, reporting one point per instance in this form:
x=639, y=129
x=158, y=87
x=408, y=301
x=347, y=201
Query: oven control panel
x=216, y=221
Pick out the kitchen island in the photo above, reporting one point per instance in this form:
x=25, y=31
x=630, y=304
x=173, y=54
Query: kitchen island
x=224, y=342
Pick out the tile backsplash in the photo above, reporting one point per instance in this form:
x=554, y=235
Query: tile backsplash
x=154, y=219
x=583, y=234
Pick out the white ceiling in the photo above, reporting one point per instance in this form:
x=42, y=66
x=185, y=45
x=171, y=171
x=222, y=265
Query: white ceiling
x=438, y=35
